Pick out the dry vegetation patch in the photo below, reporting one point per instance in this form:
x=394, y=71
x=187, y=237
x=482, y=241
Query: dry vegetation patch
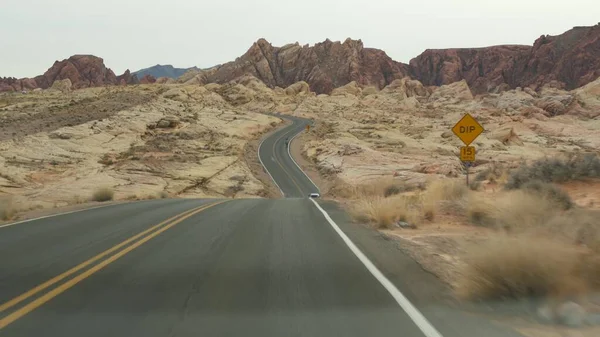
x=538, y=243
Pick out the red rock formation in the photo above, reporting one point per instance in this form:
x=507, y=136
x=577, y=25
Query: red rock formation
x=572, y=58
x=148, y=79
x=324, y=66
x=484, y=69
x=127, y=78
x=14, y=84
x=82, y=70
x=568, y=61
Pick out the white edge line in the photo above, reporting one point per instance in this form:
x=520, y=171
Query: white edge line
x=58, y=214
x=417, y=317
x=290, y=155
x=265, y=168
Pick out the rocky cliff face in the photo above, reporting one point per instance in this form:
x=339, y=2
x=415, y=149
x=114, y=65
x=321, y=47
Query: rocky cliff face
x=566, y=61
x=81, y=70
x=324, y=66
x=484, y=69
x=127, y=78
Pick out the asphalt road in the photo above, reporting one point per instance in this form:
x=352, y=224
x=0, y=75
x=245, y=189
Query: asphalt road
x=249, y=267
x=275, y=157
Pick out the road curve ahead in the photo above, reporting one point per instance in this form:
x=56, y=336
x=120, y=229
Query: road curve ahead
x=275, y=157
x=245, y=267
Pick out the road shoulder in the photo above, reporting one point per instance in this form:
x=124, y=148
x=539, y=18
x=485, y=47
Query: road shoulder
x=423, y=289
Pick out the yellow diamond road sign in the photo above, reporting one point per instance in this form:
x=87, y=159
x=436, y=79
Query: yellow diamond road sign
x=467, y=129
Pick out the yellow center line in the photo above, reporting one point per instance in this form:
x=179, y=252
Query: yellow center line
x=65, y=286
x=284, y=170
x=82, y=265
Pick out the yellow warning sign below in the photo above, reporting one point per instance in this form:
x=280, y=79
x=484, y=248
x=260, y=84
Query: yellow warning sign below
x=467, y=129
x=467, y=153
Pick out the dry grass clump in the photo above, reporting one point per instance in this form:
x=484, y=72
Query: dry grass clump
x=550, y=191
x=103, y=194
x=163, y=194
x=383, y=187
x=7, y=209
x=385, y=212
x=514, y=211
x=513, y=267
x=446, y=196
x=493, y=173
x=556, y=170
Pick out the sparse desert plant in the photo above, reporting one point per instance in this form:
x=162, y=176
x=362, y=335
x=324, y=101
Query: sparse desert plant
x=163, y=194
x=444, y=195
x=515, y=267
x=131, y=197
x=391, y=190
x=550, y=191
x=514, y=211
x=7, y=209
x=385, y=212
x=556, y=170
x=103, y=194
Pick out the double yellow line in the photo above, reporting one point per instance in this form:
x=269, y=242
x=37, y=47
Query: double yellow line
x=143, y=237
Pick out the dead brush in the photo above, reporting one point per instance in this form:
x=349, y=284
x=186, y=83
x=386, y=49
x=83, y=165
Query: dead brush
x=385, y=212
x=444, y=196
x=514, y=267
x=7, y=209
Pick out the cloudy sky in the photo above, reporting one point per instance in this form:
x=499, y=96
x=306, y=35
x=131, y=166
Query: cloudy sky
x=136, y=34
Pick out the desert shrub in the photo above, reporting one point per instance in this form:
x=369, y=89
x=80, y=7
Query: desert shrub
x=446, y=196
x=385, y=187
x=7, y=209
x=391, y=190
x=505, y=267
x=515, y=211
x=385, y=212
x=103, y=194
x=492, y=173
x=163, y=194
x=555, y=170
x=475, y=185
x=550, y=191
x=578, y=226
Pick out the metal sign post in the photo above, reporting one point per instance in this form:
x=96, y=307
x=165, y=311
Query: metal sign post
x=467, y=129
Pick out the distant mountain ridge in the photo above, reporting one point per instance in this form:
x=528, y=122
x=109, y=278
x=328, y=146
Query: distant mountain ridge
x=160, y=70
x=567, y=61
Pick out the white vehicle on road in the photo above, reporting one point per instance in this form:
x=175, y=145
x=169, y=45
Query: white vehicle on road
x=314, y=195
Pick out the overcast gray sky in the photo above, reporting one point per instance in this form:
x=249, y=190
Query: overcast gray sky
x=136, y=34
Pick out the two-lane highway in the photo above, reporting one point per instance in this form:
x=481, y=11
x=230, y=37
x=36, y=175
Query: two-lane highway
x=275, y=157
x=253, y=267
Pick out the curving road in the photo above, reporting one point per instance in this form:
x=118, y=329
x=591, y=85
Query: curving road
x=255, y=267
x=274, y=155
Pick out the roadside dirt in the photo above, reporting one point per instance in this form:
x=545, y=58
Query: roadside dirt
x=252, y=161
x=65, y=111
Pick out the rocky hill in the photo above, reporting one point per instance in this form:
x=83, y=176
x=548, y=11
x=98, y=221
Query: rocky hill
x=324, y=66
x=159, y=70
x=81, y=70
x=566, y=61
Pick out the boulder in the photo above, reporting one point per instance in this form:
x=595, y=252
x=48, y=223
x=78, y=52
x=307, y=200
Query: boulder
x=62, y=85
x=168, y=122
